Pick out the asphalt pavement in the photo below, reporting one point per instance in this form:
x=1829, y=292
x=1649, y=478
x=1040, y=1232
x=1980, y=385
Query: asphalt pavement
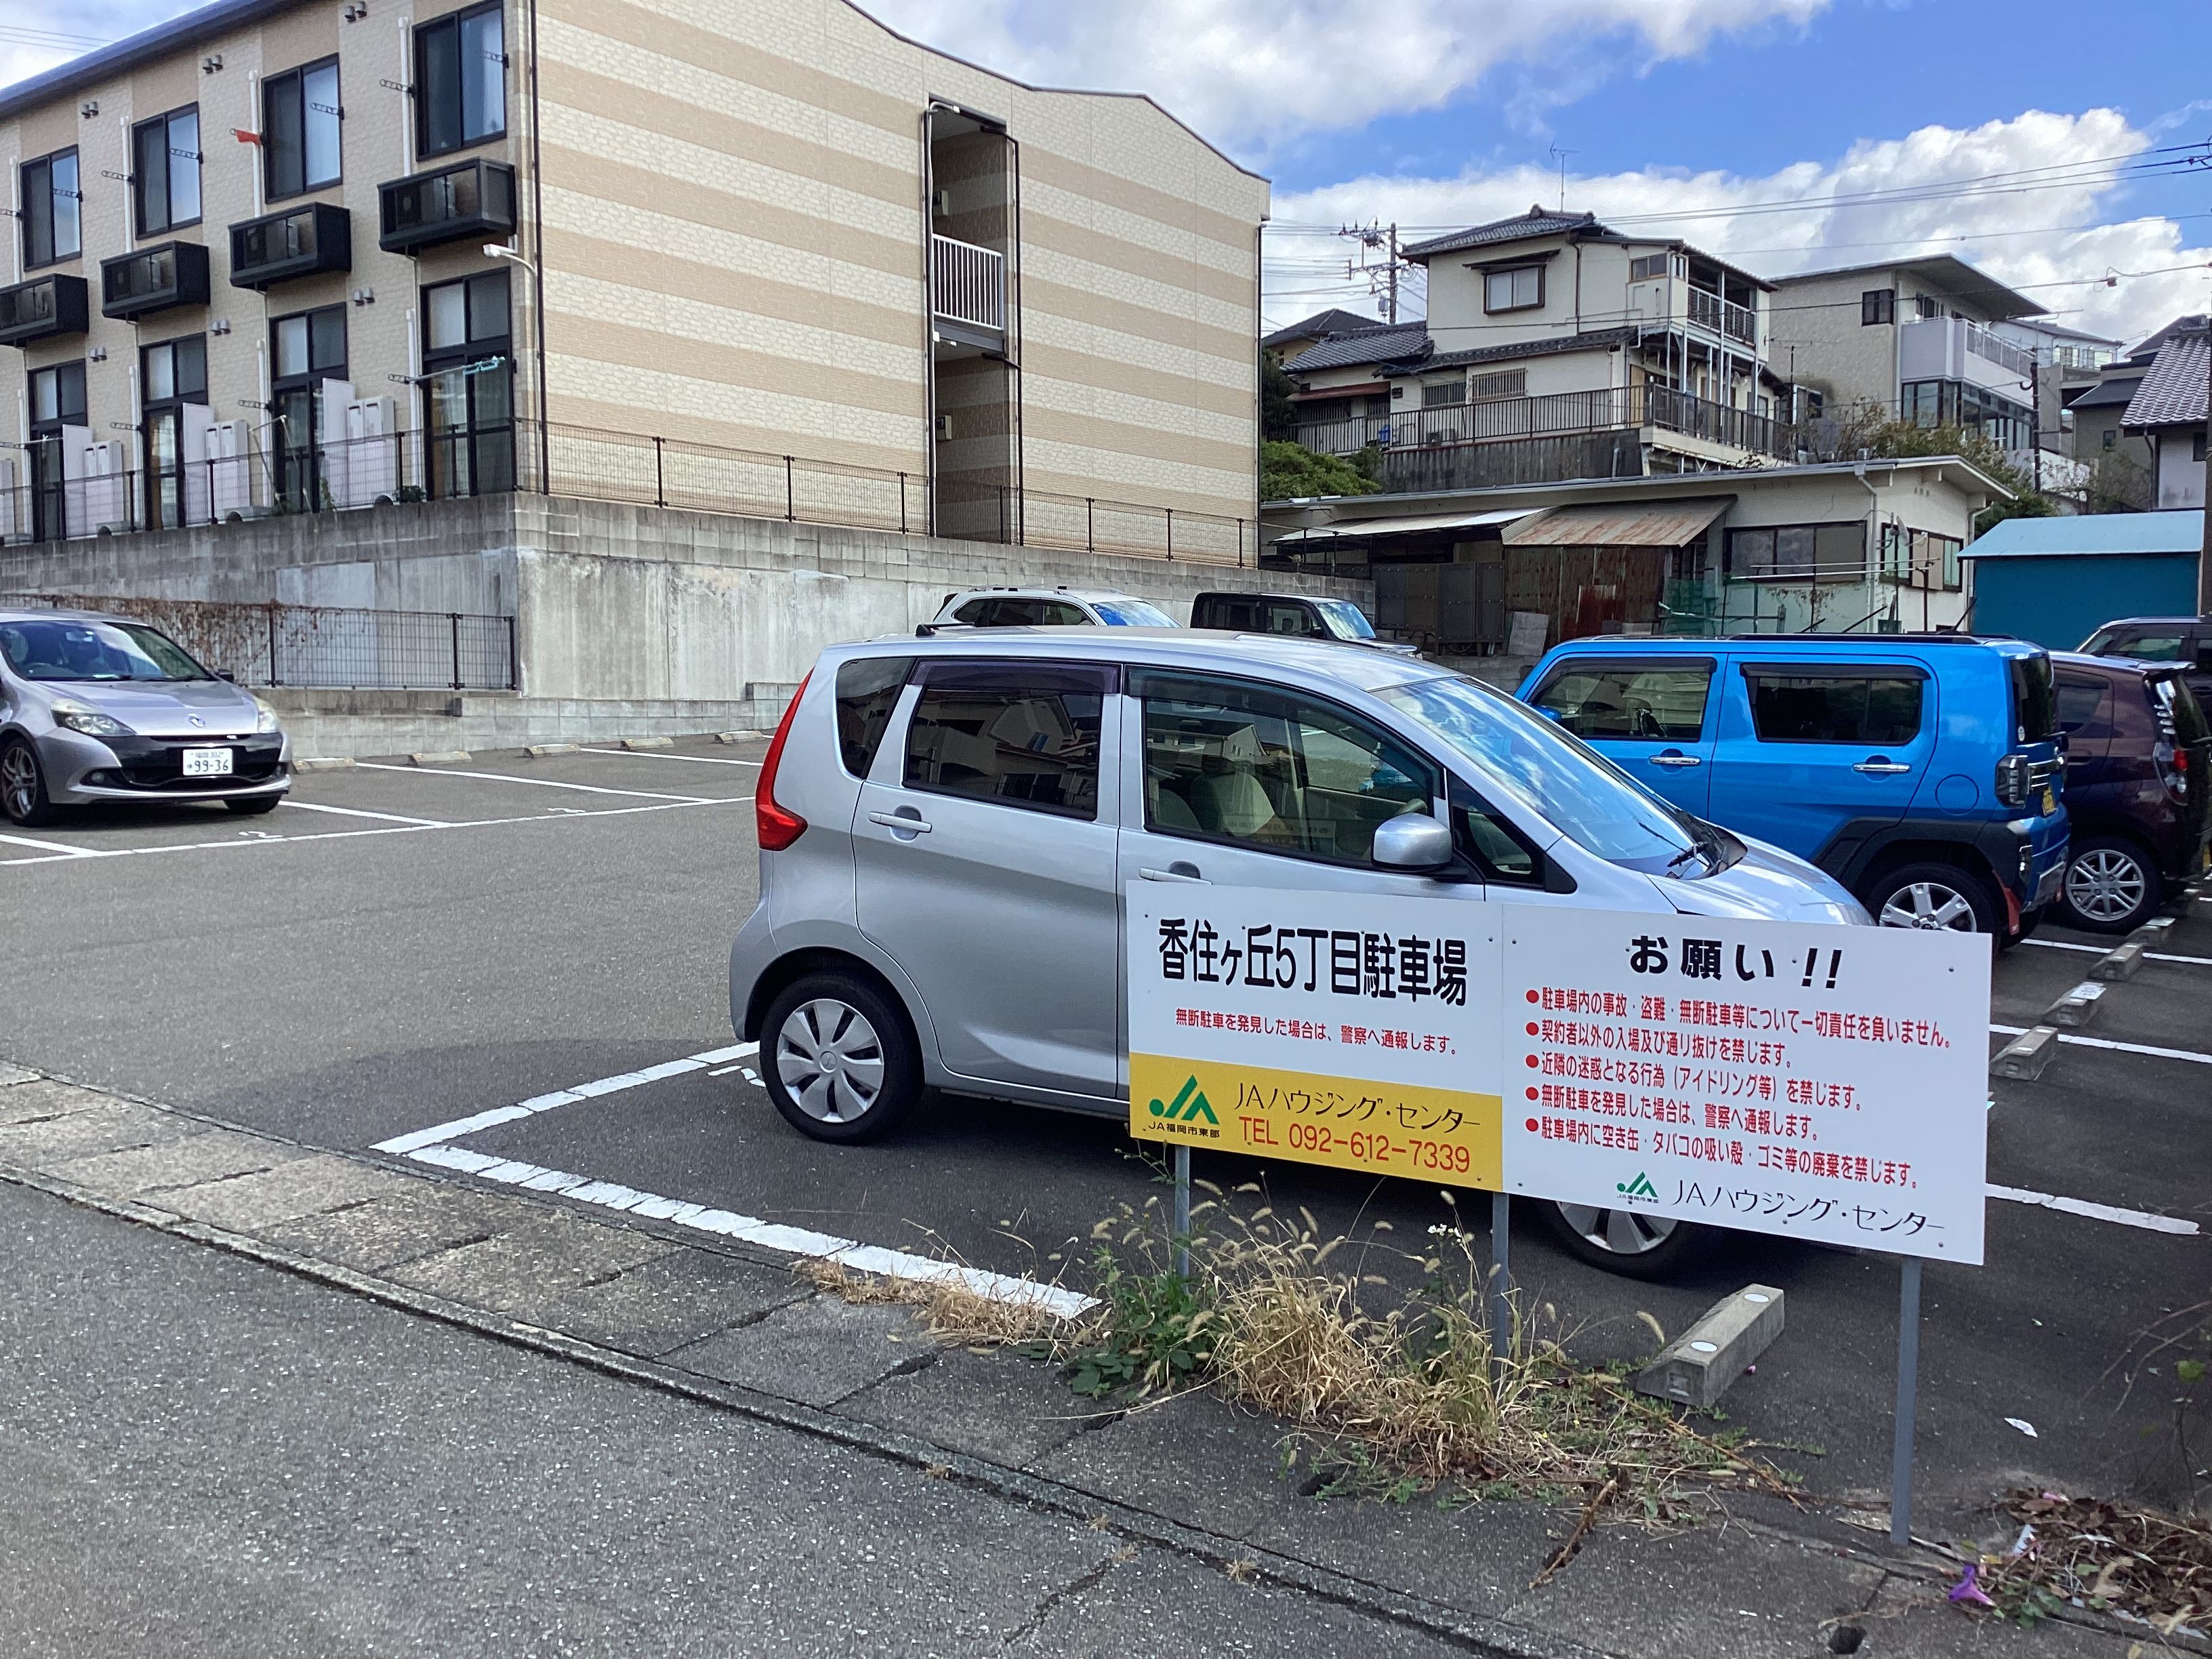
x=404, y=947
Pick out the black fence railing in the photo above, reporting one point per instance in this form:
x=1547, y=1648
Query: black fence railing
x=313, y=645
x=58, y=494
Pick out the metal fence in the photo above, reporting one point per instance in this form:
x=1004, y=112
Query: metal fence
x=312, y=645
x=1552, y=414
x=51, y=496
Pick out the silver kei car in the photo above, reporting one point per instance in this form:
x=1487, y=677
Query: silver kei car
x=102, y=708
x=947, y=826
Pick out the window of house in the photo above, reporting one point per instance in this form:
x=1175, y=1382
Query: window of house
x=1018, y=734
x=57, y=397
x=867, y=693
x=1877, y=305
x=300, y=118
x=57, y=402
x=305, y=349
x=1505, y=383
x=170, y=375
x=53, y=209
x=1647, y=268
x=1651, y=701
x=1435, y=393
x=166, y=170
x=2197, y=447
x=1873, y=705
x=1798, y=553
x=460, y=80
x=468, y=384
x=1517, y=289
x=2111, y=438
x=1925, y=309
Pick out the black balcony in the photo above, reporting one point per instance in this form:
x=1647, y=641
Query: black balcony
x=154, y=279
x=44, y=308
x=297, y=242
x=472, y=201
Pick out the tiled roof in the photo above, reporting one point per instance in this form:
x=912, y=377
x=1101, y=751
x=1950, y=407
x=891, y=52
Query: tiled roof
x=2174, y=393
x=1537, y=222
x=1594, y=340
x=1373, y=345
x=1319, y=326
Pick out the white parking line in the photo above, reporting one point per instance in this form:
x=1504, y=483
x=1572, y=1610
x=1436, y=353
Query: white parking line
x=697, y=759
x=539, y=783
x=356, y=812
x=50, y=846
x=2107, y=950
x=408, y=1143
x=2144, y=1218
x=2081, y=1041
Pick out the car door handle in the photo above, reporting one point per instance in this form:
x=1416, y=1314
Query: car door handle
x=1179, y=870
x=1882, y=769
x=1674, y=760
x=906, y=821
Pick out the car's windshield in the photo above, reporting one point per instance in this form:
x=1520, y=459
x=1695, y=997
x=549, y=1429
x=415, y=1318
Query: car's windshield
x=1131, y=613
x=1577, y=789
x=62, y=648
x=1346, y=620
x=2144, y=645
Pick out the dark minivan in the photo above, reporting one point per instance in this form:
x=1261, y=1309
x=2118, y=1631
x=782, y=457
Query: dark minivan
x=2184, y=642
x=1296, y=615
x=2137, y=757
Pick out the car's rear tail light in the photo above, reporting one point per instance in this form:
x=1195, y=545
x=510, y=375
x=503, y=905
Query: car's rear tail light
x=2012, y=782
x=778, y=826
x=2172, y=768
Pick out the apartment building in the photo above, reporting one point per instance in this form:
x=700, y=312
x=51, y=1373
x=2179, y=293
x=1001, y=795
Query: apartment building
x=285, y=255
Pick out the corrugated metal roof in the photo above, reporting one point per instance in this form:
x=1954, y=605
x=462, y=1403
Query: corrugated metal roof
x=1375, y=345
x=2107, y=393
x=2092, y=535
x=2174, y=393
x=1362, y=528
x=1621, y=524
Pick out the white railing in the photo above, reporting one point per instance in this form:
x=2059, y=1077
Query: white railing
x=2002, y=352
x=968, y=284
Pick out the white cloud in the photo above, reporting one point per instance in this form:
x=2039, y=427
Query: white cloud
x=1252, y=73
x=2019, y=229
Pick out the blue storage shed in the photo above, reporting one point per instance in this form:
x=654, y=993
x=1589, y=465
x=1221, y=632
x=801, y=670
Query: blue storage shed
x=2057, y=580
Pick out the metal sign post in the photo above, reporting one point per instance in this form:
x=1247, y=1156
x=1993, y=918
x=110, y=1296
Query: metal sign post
x=1501, y=1273
x=1182, y=1234
x=1908, y=1386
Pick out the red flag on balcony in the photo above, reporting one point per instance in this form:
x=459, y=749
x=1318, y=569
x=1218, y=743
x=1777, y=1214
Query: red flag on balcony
x=244, y=136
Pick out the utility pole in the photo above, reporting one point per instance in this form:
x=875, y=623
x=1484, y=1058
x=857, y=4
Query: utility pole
x=1383, y=278
x=2204, y=554
x=2035, y=402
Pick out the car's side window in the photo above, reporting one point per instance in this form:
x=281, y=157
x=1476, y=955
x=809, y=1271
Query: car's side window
x=1490, y=842
x=2145, y=647
x=2078, y=702
x=977, y=613
x=1878, y=706
x=868, y=691
x=1018, y=734
x=1058, y=613
x=1294, y=620
x=1228, y=761
x=1656, y=703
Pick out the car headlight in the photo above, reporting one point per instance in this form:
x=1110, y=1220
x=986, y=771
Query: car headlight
x=265, y=720
x=79, y=717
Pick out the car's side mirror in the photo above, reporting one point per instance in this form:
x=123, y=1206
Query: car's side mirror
x=1550, y=714
x=1411, y=842
x=221, y=674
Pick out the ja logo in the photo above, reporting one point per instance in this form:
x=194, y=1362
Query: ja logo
x=1188, y=1105
x=1639, y=1187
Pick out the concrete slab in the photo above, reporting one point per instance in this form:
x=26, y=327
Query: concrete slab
x=147, y=1172
x=41, y=1143
x=11, y=1075
x=39, y=1097
x=372, y=1236
x=1192, y=1459
x=534, y=1261
x=682, y=1297
x=818, y=1351
x=1477, y=1558
x=1911, y=1617
x=310, y=1185
x=998, y=1406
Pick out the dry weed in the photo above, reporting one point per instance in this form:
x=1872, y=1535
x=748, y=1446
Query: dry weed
x=953, y=1312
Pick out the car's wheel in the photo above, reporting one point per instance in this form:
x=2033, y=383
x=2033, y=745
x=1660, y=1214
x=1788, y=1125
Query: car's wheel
x=23, y=786
x=1628, y=1242
x=254, y=805
x=1937, y=897
x=2111, y=886
x=838, y=1058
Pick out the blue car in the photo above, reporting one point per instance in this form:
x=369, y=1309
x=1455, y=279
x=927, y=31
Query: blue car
x=1922, y=771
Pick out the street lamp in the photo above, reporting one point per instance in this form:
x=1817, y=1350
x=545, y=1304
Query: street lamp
x=507, y=251
x=503, y=251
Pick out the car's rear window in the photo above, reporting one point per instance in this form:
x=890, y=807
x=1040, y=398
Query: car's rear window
x=2034, y=707
x=868, y=691
x=2181, y=707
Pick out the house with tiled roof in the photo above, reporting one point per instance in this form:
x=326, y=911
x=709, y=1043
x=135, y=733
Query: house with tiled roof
x=1293, y=338
x=2168, y=412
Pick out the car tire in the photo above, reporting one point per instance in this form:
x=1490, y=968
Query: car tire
x=1628, y=1242
x=254, y=805
x=838, y=1058
x=1937, y=897
x=2111, y=885
x=23, y=798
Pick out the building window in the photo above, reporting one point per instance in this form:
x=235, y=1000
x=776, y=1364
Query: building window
x=1492, y=388
x=1925, y=309
x=468, y=385
x=2197, y=447
x=52, y=216
x=1954, y=402
x=1921, y=559
x=1519, y=289
x=165, y=176
x=1435, y=393
x=300, y=116
x=171, y=376
x=1648, y=268
x=304, y=351
x=2111, y=438
x=460, y=80
x=57, y=404
x=1798, y=553
x=1877, y=305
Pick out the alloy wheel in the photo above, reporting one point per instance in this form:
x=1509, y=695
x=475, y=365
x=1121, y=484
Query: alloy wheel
x=1928, y=904
x=830, y=1060
x=2105, y=884
x=19, y=782
x=1624, y=1232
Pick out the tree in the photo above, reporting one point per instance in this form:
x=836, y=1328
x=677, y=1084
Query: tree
x=1868, y=429
x=1288, y=470
x=1278, y=413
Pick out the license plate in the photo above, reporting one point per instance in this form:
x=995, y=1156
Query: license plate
x=2050, y=801
x=207, y=763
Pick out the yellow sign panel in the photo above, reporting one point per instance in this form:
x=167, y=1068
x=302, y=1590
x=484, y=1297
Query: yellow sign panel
x=1389, y=1128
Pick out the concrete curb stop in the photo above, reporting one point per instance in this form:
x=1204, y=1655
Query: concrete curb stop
x=2026, y=1055
x=648, y=743
x=738, y=736
x=542, y=750
x=324, y=764
x=2078, y=1007
x=2120, y=964
x=439, y=756
x=1697, y=1367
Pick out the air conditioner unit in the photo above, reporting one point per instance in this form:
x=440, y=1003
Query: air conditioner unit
x=9, y=516
x=940, y=203
x=944, y=429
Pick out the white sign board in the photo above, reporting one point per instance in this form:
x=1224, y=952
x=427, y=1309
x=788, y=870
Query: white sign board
x=1797, y=1078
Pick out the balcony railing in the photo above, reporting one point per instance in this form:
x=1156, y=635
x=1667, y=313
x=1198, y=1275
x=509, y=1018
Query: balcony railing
x=1556, y=415
x=1993, y=348
x=134, y=285
x=1709, y=310
x=47, y=307
x=968, y=284
x=296, y=242
x=468, y=203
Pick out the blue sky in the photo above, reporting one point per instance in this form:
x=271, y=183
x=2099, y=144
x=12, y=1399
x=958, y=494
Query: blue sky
x=1726, y=113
